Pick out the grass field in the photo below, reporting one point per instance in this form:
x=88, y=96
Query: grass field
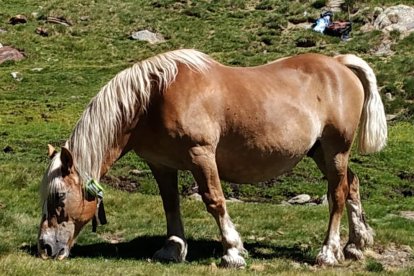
x=75, y=61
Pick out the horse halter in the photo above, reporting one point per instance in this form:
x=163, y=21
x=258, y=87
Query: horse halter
x=94, y=190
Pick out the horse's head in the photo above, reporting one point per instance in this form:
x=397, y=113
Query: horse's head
x=66, y=206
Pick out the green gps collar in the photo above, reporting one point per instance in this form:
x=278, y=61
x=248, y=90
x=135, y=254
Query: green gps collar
x=94, y=189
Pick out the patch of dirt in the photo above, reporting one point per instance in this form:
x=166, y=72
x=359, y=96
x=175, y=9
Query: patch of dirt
x=393, y=257
x=121, y=183
x=406, y=175
x=407, y=214
x=113, y=238
x=9, y=53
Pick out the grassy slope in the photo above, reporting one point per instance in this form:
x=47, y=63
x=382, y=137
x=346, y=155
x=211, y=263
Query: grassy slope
x=78, y=60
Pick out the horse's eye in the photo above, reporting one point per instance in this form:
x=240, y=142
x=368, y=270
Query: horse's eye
x=59, y=197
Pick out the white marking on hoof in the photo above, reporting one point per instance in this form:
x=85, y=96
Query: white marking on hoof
x=329, y=256
x=233, y=259
x=174, y=250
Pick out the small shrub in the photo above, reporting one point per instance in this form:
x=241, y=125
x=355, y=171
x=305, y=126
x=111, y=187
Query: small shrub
x=265, y=5
x=391, y=88
x=374, y=266
x=318, y=4
x=195, y=12
x=267, y=40
x=305, y=42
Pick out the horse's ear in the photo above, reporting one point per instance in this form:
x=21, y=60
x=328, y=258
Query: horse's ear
x=67, y=161
x=51, y=151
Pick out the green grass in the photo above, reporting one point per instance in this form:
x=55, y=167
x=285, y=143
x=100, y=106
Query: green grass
x=76, y=61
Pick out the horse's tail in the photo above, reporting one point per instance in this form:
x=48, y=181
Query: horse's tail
x=373, y=125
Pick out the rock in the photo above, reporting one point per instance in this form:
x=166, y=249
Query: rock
x=232, y=199
x=396, y=18
x=300, y=199
x=390, y=117
x=2, y=31
x=407, y=214
x=36, y=69
x=378, y=11
x=334, y=5
x=389, y=97
x=285, y=203
x=196, y=197
x=18, y=19
x=58, y=20
x=384, y=49
x=145, y=35
x=324, y=200
x=84, y=18
x=9, y=53
x=17, y=76
x=135, y=172
x=139, y=172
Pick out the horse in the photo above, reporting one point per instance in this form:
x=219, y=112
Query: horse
x=182, y=110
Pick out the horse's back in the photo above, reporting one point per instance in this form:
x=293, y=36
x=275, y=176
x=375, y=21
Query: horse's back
x=269, y=115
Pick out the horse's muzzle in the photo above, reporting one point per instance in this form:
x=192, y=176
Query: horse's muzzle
x=52, y=250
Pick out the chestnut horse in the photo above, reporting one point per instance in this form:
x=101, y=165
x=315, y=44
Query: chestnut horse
x=182, y=110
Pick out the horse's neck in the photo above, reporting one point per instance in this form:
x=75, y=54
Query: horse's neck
x=114, y=154
x=94, y=159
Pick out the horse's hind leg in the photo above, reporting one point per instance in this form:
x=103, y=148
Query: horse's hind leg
x=175, y=248
x=334, y=167
x=206, y=174
x=360, y=234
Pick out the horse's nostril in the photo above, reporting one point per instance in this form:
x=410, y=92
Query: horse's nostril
x=61, y=255
x=48, y=249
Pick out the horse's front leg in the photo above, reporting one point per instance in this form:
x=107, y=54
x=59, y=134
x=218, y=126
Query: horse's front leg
x=175, y=248
x=206, y=174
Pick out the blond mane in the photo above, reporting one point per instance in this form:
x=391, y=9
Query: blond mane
x=115, y=107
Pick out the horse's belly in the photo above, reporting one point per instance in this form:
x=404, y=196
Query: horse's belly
x=251, y=168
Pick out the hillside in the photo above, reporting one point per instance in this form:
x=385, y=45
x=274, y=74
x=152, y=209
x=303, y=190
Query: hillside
x=72, y=48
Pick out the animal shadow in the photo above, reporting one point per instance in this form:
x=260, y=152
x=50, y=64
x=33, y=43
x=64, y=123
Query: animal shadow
x=144, y=247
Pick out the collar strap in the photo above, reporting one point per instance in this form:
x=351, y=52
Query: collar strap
x=94, y=189
x=100, y=216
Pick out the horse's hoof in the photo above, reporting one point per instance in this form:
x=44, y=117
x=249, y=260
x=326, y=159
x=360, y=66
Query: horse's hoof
x=368, y=237
x=352, y=252
x=329, y=257
x=175, y=250
x=326, y=260
x=233, y=260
